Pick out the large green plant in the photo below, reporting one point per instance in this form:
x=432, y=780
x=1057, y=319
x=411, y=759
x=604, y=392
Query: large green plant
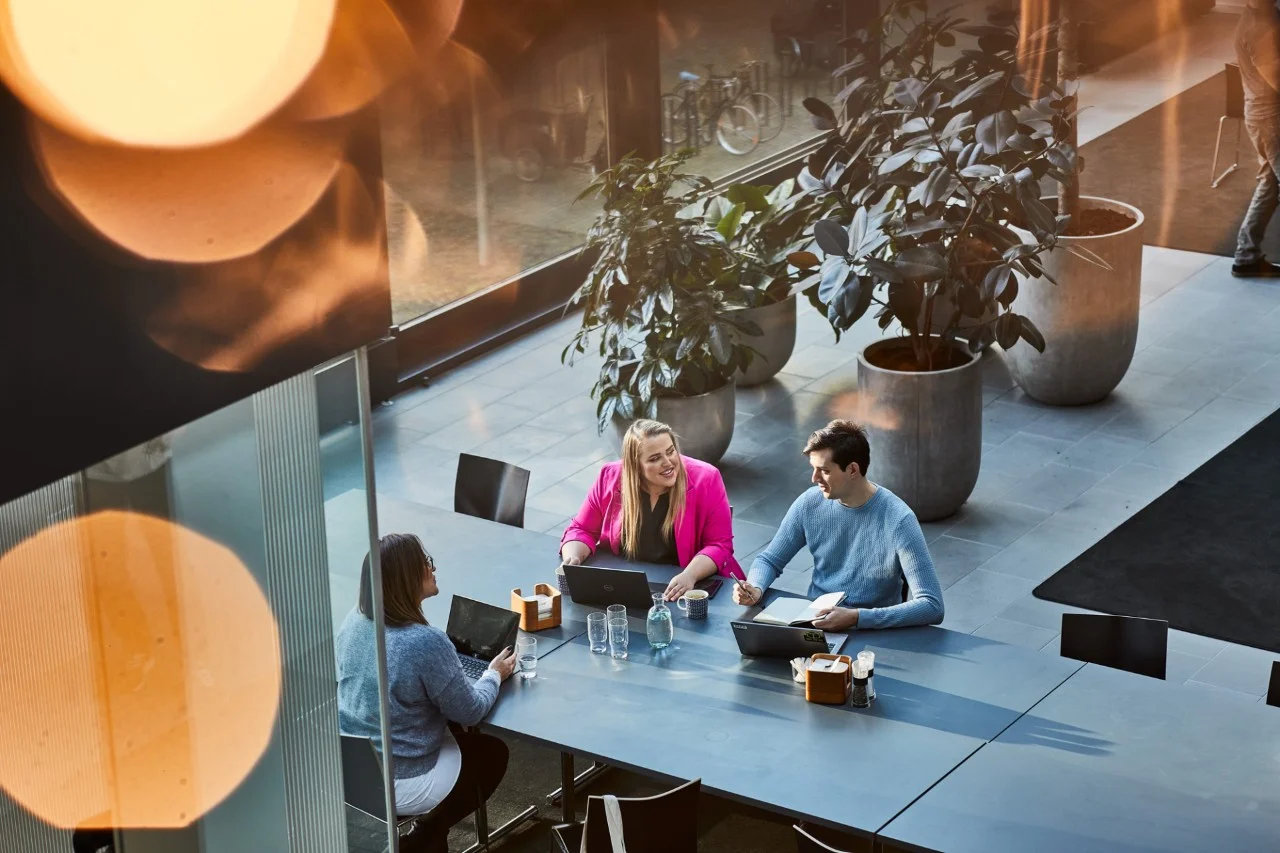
x=933, y=176
x=763, y=226
x=657, y=294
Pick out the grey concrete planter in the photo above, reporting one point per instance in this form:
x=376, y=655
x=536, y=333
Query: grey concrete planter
x=1089, y=319
x=704, y=423
x=774, y=346
x=925, y=431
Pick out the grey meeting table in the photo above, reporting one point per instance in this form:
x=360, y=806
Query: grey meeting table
x=1111, y=761
x=474, y=557
x=701, y=710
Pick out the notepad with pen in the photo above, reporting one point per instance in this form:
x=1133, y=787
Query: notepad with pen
x=799, y=612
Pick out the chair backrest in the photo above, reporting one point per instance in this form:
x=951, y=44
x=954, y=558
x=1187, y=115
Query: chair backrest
x=806, y=843
x=1235, y=92
x=362, y=787
x=667, y=823
x=1273, y=690
x=1121, y=642
x=487, y=488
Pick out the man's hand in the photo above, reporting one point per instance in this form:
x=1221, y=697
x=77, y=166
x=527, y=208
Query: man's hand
x=746, y=594
x=680, y=584
x=837, y=619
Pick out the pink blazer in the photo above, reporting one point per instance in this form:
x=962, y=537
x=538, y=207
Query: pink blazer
x=706, y=527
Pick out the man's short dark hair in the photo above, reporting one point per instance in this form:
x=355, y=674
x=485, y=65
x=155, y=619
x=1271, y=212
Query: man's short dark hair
x=847, y=442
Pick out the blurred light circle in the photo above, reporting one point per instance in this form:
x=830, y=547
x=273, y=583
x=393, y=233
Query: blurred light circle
x=142, y=672
x=163, y=73
x=194, y=205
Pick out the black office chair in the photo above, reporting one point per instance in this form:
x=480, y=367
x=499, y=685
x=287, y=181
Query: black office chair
x=362, y=787
x=806, y=843
x=667, y=823
x=1234, y=109
x=487, y=488
x=1273, y=690
x=1121, y=642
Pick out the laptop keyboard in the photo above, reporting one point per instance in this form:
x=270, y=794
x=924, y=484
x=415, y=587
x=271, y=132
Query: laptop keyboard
x=473, y=667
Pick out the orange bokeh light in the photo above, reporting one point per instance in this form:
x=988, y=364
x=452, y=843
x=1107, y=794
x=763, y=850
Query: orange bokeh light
x=160, y=73
x=141, y=677
x=196, y=205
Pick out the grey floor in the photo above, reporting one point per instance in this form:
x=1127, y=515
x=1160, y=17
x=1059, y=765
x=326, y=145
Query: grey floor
x=1053, y=482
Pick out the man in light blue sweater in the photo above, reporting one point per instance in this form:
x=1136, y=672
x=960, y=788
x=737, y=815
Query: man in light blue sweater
x=865, y=542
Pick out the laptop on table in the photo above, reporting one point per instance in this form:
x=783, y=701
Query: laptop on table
x=479, y=631
x=756, y=639
x=599, y=587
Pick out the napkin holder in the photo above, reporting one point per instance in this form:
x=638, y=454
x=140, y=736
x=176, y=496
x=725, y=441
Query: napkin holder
x=528, y=610
x=828, y=683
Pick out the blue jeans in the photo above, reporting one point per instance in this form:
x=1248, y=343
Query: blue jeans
x=1266, y=197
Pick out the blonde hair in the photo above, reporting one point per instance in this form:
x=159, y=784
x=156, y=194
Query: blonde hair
x=633, y=483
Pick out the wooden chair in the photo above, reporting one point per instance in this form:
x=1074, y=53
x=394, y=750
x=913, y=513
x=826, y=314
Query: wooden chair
x=1121, y=642
x=666, y=823
x=487, y=488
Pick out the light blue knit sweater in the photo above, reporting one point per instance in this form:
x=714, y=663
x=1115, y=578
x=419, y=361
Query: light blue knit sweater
x=864, y=552
x=426, y=685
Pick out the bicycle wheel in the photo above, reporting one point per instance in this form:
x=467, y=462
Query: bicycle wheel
x=768, y=112
x=737, y=129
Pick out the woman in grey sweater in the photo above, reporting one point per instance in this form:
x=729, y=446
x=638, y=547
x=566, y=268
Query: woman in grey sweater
x=439, y=768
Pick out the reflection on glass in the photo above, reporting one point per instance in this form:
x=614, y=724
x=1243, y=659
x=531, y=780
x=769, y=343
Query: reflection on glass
x=483, y=162
x=734, y=74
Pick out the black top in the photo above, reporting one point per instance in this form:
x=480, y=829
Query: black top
x=653, y=547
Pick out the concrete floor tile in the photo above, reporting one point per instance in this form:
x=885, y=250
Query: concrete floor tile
x=1052, y=487
x=955, y=558
x=1023, y=455
x=998, y=523
x=973, y=601
x=1140, y=480
x=1241, y=668
x=1038, y=611
x=1103, y=453
x=1016, y=633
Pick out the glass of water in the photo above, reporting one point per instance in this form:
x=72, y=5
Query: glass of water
x=619, y=638
x=598, y=632
x=616, y=611
x=527, y=656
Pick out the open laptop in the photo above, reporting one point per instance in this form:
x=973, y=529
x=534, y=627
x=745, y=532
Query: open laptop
x=479, y=631
x=599, y=587
x=756, y=639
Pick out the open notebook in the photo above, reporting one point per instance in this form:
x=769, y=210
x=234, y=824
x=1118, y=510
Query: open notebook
x=798, y=611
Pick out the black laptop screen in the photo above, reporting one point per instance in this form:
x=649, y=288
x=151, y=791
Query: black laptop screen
x=480, y=630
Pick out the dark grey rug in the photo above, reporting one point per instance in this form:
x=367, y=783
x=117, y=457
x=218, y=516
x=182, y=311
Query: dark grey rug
x=1205, y=555
x=1160, y=162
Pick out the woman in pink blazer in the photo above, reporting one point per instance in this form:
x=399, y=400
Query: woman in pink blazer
x=657, y=506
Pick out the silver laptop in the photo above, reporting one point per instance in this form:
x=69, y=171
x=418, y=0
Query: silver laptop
x=756, y=639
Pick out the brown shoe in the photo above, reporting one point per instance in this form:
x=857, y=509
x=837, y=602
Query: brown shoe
x=1258, y=269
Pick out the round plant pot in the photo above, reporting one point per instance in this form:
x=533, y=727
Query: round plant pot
x=774, y=346
x=704, y=423
x=1089, y=319
x=925, y=429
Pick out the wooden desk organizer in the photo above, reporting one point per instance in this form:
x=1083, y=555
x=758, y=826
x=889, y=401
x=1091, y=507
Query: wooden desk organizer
x=829, y=687
x=528, y=610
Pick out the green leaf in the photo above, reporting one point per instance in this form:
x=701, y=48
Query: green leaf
x=1031, y=334
x=687, y=346
x=835, y=272
x=831, y=236
x=820, y=110
x=897, y=160
x=728, y=226
x=921, y=263
x=976, y=89
x=721, y=344
x=921, y=226
x=994, y=131
x=751, y=197
x=904, y=302
x=1008, y=330
x=981, y=170
x=883, y=270
x=995, y=280
x=959, y=122
x=1009, y=292
x=667, y=297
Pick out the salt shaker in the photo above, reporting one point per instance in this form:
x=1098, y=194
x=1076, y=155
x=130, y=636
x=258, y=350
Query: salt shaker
x=858, y=697
x=867, y=661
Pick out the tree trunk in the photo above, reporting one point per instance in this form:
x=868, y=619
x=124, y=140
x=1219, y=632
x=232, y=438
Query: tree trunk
x=1068, y=72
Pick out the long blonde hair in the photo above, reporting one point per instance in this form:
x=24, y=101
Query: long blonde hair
x=633, y=490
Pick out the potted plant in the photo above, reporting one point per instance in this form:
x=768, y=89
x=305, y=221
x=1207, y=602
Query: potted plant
x=655, y=296
x=934, y=175
x=763, y=226
x=1087, y=304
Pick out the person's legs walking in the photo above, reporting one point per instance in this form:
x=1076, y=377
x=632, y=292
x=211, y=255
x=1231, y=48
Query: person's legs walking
x=1249, y=260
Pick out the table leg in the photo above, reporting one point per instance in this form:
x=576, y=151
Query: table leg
x=566, y=788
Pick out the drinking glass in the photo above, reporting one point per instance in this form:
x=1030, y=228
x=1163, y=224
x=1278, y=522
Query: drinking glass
x=616, y=611
x=619, y=638
x=527, y=656
x=598, y=632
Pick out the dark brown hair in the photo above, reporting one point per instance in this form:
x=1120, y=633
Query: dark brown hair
x=404, y=564
x=847, y=442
